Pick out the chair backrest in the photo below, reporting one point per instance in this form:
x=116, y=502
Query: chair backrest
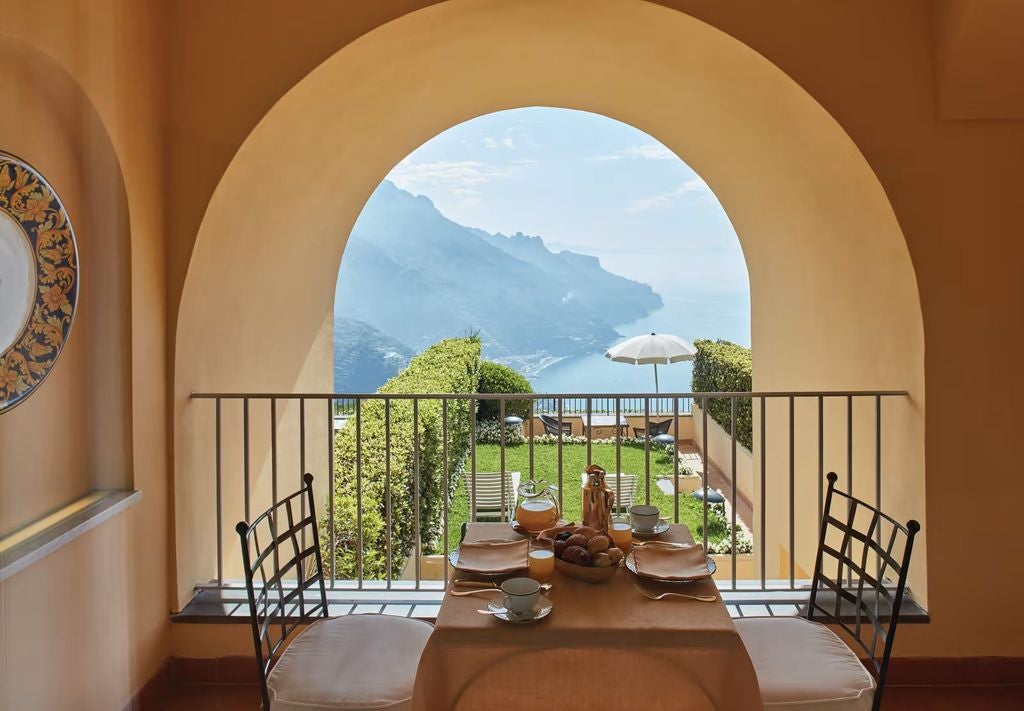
x=861, y=574
x=551, y=425
x=488, y=492
x=653, y=428
x=284, y=575
x=660, y=428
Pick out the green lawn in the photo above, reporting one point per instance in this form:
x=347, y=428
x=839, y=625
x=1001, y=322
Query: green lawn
x=574, y=462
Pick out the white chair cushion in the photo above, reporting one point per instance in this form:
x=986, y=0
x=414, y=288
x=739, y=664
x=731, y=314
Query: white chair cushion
x=804, y=665
x=353, y=662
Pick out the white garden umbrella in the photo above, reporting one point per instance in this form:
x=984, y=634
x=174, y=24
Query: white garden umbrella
x=655, y=349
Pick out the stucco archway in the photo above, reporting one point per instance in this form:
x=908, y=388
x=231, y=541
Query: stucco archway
x=833, y=294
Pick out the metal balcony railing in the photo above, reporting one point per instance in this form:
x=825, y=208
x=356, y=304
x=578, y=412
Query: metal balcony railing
x=410, y=508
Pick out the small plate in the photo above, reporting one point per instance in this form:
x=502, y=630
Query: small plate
x=631, y=567
x=541, y=610
x=453, y=559
x=657, y=531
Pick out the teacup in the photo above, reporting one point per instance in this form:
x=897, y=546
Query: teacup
x=521, y=595
x=645, y=518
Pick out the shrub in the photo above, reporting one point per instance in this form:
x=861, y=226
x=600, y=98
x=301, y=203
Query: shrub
x=450, y=366
x=498, y=378
x=489, y=432
x=721, y=366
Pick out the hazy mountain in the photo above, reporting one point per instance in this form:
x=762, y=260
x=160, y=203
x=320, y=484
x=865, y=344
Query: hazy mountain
x=581, y=277
x=416, y=277
x=364, y=357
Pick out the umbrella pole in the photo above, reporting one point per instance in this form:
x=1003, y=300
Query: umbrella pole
x=655, y=378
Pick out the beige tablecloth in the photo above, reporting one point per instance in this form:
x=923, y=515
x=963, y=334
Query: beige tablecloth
x=604, y=646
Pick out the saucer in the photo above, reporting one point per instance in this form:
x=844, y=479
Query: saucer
x=534, y=534
x=541, y=610
x=656, y=531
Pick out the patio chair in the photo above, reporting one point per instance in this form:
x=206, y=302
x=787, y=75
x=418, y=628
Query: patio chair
x=488, y=495
x=352, y=662
x=800, y=663
x=655, y=429
x=551, y=425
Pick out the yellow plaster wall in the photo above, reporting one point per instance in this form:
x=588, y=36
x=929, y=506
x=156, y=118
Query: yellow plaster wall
x=86, y=626
x=870, y=65
x=954, y=187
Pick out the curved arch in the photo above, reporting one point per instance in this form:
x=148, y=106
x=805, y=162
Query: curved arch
x=54, y=125
x=833, y=294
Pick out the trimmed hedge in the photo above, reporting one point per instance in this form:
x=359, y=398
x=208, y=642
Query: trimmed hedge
x=498, y=378
x=449, y=366
x=721, y=366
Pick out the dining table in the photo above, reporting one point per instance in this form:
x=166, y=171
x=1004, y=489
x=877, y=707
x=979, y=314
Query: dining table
x=603, y=646
x=603, y=426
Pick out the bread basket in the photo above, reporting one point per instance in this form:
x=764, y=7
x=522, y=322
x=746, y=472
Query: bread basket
x=579, y=572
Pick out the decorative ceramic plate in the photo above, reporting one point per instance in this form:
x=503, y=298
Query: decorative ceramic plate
x=631, y=567
x=38, y=279
x=541, y=610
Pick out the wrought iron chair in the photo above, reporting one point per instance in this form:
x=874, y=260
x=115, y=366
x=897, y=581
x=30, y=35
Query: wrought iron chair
x=655, y=429
x=352, y=662
x=551, y=425
x=801, y=663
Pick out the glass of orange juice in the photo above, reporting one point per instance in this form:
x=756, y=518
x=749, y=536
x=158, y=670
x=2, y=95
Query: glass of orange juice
x=621, y=532
x=541, y=559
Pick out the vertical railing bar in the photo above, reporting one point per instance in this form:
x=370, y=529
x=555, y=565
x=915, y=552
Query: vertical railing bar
x=647, y=451
x=764, y=498
x=472, y=459
x=302, y=465
x=792, y=494
x=878, y=452
x=245, y=457
x=707, y=465
x=447, y=485
x=821, y=459
x=416, y=485
x=849, y=444
x=849, y=463
x=675, y=460
x=220, y=512
x=733, y=476
x=330, y=488
x=618, y=456
x=387, y=493
x=590, y=431
x=273, y=451
x=501, y=425
x=878, y=480
x=359, y=493
x=532, y=415
x=561, y=405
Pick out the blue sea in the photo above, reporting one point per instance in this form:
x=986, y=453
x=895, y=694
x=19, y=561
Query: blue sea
x=712, y=315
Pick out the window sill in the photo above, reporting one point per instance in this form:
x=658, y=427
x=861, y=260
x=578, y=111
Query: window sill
x=37, y=540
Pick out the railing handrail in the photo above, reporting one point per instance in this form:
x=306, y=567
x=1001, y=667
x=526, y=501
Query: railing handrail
x=548, y=396
x=349, y=409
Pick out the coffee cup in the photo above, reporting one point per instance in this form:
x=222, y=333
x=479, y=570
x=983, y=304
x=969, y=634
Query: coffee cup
x=645, y=518
x=521, y=595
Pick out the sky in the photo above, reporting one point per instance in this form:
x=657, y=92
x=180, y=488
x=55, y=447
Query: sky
x=587, y=183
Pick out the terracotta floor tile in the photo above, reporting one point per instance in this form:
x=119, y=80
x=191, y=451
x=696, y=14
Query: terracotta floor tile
x=953, y=698
x=245, y=697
